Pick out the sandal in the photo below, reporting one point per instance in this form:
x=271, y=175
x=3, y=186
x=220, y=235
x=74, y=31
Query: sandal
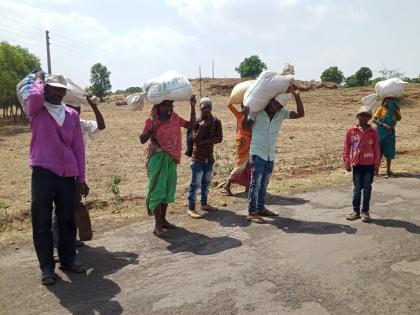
x=75, y=268
x=365, y=217
x=49, y=279
x=268, y=213
x=353, y=216
x=256, y=218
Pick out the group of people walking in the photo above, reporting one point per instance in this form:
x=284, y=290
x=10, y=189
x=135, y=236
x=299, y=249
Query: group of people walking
x=57, y=159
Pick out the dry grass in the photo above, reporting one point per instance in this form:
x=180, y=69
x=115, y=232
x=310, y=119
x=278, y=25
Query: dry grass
x=309, y=155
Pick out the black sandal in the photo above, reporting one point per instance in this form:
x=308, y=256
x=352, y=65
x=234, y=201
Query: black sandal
x=75, y=268
x=268, y=213
x=49, y=279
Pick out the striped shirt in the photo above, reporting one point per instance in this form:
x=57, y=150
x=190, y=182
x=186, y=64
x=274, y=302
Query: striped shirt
x=205, y=137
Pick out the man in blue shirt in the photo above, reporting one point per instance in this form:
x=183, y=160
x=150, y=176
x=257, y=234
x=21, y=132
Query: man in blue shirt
x=265, y=130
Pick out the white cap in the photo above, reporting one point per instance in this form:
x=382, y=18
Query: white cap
x=364, y=110
x=206, y=102
x=56, y=80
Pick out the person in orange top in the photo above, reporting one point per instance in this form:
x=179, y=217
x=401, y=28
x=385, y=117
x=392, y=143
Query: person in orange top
x=241, y=174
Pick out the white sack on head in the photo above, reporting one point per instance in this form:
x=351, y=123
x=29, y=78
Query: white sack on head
x=267, y=86
x=282, y=98
x=170, y=86
x=390, y=88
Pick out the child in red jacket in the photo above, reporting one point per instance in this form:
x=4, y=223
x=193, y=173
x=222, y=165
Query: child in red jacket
x=361, y=152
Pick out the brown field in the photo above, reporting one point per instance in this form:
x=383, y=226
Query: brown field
x=309, y=155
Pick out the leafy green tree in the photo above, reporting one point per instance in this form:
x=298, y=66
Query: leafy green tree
x=332, y=74
x=99, y=77
x=363, y=75
x=134, y=89
x=351, y=81
x=15, y=63
x=360, y=78
x=251, y=67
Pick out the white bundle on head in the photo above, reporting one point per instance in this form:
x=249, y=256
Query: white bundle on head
x=282, y=98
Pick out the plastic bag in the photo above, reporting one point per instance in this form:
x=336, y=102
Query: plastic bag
x=268, y=85
x=390, y=88
x=135, y=101
x=238, y=92
x=75, y=95
x=24, y=87
x=370, y=102
x=171, y=86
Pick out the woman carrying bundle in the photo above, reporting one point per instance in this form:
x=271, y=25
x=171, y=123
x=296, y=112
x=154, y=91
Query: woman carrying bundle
x=386, y=117
x=241, y=174
x=163, y=131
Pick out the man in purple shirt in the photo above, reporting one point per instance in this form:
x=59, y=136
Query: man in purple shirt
x=57, y=158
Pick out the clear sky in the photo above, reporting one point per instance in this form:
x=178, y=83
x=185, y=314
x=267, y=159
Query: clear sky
x=138, y=40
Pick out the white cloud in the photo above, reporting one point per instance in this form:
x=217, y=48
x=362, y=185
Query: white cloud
x=78, y=41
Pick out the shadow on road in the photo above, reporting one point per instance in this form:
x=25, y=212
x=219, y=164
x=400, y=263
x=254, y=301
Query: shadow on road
x=92, y=293
x=406, y=175
x=226, y=218
x=182, y=240
x=289, y=225
x=410, y=227
x=285, y=201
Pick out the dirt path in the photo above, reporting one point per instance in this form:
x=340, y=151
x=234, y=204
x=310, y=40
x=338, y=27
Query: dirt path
x=307, y=261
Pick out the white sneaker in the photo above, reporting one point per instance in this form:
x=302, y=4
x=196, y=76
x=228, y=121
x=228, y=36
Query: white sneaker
x=194, y=214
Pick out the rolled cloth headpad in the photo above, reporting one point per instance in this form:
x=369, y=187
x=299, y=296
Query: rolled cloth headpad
x=282, y=98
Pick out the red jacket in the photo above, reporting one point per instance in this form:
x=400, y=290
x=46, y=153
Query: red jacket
x=361, y=148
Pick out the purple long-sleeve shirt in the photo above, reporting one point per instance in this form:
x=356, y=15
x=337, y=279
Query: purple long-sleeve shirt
x=58, y=149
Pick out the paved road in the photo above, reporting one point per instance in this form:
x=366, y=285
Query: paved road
x=307, y=261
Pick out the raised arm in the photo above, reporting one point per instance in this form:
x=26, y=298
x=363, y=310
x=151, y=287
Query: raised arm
x=247, y=122
x=234, y=111
x=299, y=105
x=98, y=115
x=193, y=118
x=35, y=101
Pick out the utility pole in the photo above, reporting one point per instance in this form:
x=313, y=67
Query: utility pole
x=47, y=40
x=199, y=79
x=212, y=69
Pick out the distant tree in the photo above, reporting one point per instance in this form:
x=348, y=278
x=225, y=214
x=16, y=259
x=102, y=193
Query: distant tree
x=332, y=74
x=363, y=75
x=360, y=78
x=351, y=81
x=15, y=63
x=99, y=77
x=134, y=89
x=251, y=67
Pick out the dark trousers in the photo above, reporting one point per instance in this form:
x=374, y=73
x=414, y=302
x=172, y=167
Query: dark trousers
x=49, y=188
x=261, y=171
x=362, y=180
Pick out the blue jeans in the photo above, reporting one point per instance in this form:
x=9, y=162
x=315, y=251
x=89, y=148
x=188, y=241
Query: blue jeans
x=201, y=177
x=362, y=180
x=260, y=177
x=49, y=188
